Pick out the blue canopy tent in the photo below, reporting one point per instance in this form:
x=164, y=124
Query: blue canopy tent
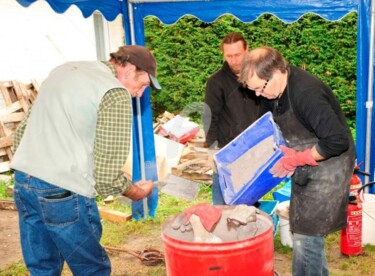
x=134, y=11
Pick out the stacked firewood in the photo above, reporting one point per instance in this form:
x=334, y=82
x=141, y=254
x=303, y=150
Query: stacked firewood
x=161, y=120
x=193, y=163
x=15, y=100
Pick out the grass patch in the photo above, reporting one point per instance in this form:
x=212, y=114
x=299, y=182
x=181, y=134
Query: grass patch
x=14, y=269
x=3, y=189
x=281, y=248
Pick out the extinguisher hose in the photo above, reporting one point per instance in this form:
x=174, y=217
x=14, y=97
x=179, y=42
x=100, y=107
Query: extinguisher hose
x=366, y=185
x=360, y=189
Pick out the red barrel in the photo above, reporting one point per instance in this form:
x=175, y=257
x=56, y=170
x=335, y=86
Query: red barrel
x=249, y=256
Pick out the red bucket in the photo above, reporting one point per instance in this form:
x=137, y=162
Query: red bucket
x=249, y=256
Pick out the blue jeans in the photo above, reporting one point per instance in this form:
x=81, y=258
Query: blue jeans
x=309, y=258
x=57, y=225
x=217, y=195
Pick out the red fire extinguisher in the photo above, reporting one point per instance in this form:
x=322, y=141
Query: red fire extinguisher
x=351, y=236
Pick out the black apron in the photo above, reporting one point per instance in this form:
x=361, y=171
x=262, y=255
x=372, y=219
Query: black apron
x=320, y=194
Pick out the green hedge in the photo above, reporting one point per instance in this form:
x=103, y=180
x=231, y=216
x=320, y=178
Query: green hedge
x=188, y=53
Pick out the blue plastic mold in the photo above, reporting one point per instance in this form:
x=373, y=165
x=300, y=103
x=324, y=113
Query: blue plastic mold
x=269, y=207
x=283, y=194
x=261, y=181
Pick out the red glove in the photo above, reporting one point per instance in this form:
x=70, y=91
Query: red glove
x=291, y=160
x=208, y=214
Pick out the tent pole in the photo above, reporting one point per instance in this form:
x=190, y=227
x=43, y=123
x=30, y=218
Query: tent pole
x=139, y=114
x=369, y=103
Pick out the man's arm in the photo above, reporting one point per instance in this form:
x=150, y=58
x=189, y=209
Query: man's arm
x=213, y=107
x=112, y=142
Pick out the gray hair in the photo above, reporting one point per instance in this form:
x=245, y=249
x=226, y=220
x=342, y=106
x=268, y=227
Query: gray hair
x=262, y=61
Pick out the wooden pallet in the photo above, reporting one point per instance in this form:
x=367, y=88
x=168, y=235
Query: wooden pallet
x=194, y=165
x=16, y=99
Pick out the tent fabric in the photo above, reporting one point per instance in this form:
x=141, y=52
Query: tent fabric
x=170, y=11
x=109, y=8
x=245, y=10
x=288, y=11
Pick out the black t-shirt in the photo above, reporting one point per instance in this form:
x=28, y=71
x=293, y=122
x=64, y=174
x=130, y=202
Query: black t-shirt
x=317, y=109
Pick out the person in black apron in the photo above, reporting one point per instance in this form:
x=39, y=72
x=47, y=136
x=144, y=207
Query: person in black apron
x=319, y=157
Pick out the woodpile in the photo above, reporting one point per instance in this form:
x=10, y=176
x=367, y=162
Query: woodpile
x=161, y=120
x=15, y=100
x=193, y=164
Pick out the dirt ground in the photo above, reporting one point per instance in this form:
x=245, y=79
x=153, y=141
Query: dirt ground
x=10, y=250
x=123, y=264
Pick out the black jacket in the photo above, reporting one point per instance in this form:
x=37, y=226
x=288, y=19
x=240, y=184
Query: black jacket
x=230, y=108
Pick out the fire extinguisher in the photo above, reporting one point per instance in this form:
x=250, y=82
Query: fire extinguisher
x=351, y=236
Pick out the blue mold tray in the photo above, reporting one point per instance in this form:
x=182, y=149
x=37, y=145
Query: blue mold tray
x=232, y=170
x=269, y=207
x=284, y=193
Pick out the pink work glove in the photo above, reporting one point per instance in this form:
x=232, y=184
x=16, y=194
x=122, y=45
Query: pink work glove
x=208, y=214
x=291, y=160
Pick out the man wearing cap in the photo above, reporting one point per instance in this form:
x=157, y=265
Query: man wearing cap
x=71, y=146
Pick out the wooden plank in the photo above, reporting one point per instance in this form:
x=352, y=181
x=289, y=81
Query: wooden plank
x=3, y=134
x=13, y=117
x=30, y=91
x=14, y=107
x=36, y=85
x=6, y=141
x=17, y=89
x=11, y=91
x=7, y=205
x=4, y=166
x=197, y=177
x=181, y=167
x=198, y=142
x=113, y=215
x=198, y=165
x=203, y=170
x=10, y=128
x=4, y=90
x=20, y=95
x=194, y=155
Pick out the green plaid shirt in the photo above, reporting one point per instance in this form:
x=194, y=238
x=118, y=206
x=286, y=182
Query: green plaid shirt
x=111, y=148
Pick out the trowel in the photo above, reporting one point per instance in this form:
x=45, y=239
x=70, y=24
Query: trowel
x=178, y=187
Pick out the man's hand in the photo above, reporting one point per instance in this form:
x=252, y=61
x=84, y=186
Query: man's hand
x=291, y=160
x=139, y=190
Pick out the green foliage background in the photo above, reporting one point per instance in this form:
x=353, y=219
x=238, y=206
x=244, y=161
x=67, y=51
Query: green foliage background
x=188, y=52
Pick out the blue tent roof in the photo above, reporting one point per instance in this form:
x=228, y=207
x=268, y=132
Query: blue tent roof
x=246, y=10
x=109, y=8
x=134, y=11
x=170, y=11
